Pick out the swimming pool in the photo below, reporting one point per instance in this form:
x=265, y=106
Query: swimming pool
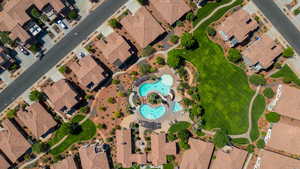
x=177, y=107
x=162, y=86
x=152, y=113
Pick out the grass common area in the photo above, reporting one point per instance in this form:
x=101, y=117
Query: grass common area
x=257, y=111
x=88, y=131
x=181, y=125
x=224, y=88
x=287, y=75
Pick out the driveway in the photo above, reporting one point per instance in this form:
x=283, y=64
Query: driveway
x=61, y=49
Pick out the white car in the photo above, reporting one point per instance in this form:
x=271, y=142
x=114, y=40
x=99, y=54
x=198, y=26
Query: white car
x=62, y=24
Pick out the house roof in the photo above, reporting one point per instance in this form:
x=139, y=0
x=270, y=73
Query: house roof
x=114, y=48
x=3, y=163
x=233, y=159
x=142, y=27
x=160, y=149
x=56, y=4
x=87, y=70
x=239, y=24
x=67, y=163
x=61, y=94
x=37, y=119
x=171, y=10
x=285, y=137
x=12, y=143
x=263, y=51
x=198, y=156
x=288, y=103
x=270, y=160
x=124, y=150
x=91, y=159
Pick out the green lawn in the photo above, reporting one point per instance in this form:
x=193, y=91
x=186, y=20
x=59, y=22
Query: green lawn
x=168, y=166
x=88, y=132
x=286, y=73
x=257, y=110
x=224, y=88
x=179, y=126
x=240, y=141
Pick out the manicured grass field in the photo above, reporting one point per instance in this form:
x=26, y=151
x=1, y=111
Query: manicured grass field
x=225, y=92
x=181, y=125
x=88, y=132
x=240, y=141
x=257, y=111
x=287, y=73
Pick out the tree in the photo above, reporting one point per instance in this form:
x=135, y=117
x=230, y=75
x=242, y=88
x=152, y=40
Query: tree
x=160, y=60
x=111, y=100
x=174, y=59
x=187, y=102
x=118, y=114
x=84, y=109
x=73, y=15
x=74, y=128
x=114, y=23
x=190, y=16
x=188, y=41
x=288, y=52
x=40, y=147
x=260, y=144
x=234, y=55
x=211, y=31
x=64, y=69
x=146, y=69
x=35, y=13
x=268, y=92
x=183, y=145
x=11, y=113
x=154, y=98
x=36, y=95
x=250, y=148
x=273, y=117
x=102, y=126
x=4, y=38
x=34, y=48
x=221, y=138
x=174, y=39
x=170, y=158
x=184, y=135
x=257, y=80
x=171, y=137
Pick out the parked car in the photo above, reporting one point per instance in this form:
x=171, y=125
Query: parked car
x=62, y=24
x=23, y=50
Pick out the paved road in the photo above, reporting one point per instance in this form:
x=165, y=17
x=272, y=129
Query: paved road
x=280, y=21
x=55, y=54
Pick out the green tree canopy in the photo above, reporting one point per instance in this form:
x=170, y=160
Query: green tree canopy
x=114, y=23
x=288, y=52
x=36, y=95
x=273, y=117
x=190, y=16
x=188, y=41
x=234, y=55
x=4, y=38
x=40, y=147
x=260, y=144
x=268, y=92
x=256, y=79
x=174, y=60
x=221, y=138
x=73, y=15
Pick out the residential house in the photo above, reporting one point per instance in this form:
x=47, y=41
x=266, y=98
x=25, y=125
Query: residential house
x=262, y=53
x=233, y=158
x=115, y=49
x=272, y=160
x=171, y=10
x=37, y=120
x=62, y=96
x=160, y=149
x=3, y=163
x=124, y=150
x=88, y=72
x=237, y=28
x=142, y=27
x=198, y=156
x=93, y=157
x=288, y=103
x=12, y=143
x=67, y=163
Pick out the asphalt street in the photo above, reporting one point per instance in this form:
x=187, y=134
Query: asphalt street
x=280, y=21
x=61, y=49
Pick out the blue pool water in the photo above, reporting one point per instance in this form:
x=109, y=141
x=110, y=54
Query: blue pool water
x=152, y=113
x=162, y=86
x=177, y=107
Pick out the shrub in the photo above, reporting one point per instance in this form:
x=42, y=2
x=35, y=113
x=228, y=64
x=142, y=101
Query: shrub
x=250, y=148
x=171, y=137
x=234, y=55
x=64, y=69
x=40, y=147
x=160, y=60
x=288, y=52
x=179, y=23
x=36, y=96
x=84, y=109
x=188, y=41
x=34, y=48
x=146, y=69
x=190, y=16
x=11, y=113
x=118, y=114
x=257, y=80
x=273, y=117
x=211, y=31
x=35, y=13
x=102, y=108
x=170, y=158
x=73, y=15
x=147, y=51
x=115, y=81
x=114, y=23
x=174, y=39
x=184, y=135
x=260, y=144
x=154, y=98
x=174, y=60
x=111, y=100
x=268, y=92
x=102, y=126
x=183, y=145
x=5, y=39
x=221, y=138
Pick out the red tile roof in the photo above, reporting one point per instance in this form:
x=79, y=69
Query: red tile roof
x=12, y=143
x=37, y=119
x=90, y=159
x=171, y=10
x=270, y=160
x=67, y=163
x=3, y=163
x=142, y=27
x=88, y=71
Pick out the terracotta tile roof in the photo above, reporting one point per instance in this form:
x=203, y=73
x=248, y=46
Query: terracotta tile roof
x=160, y=149
x=3, y=163
x=234, y=159
x=142, y=27
x=61, y=95
x=19, y=32
x=37, y=119
x=12, y=143
x=56, y=4
x=171, y=10
x=270, y=160
x=124, y=150
x=88, y=71
x=198, y=156
x=288, y=104
x=263, y=51
x=67, y=163
x=285, y=137
x=91, y=159
x=239, y=24
x=16, y=9
x=114, y=48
